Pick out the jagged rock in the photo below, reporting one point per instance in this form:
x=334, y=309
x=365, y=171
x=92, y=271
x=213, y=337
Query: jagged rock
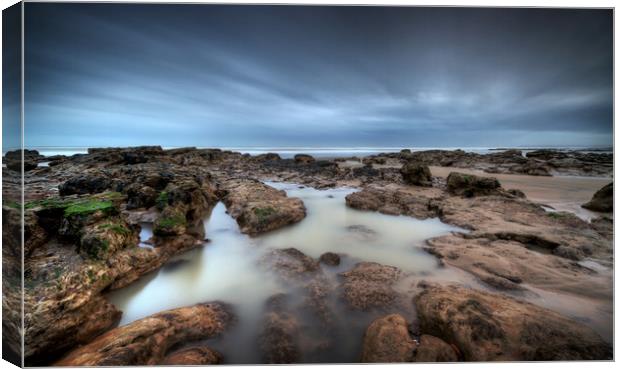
x=416, y=174
x=486, y=327
x=369, y=286
x=146, y=341
x=387, y=340
x=469, y=185
x=603, y=200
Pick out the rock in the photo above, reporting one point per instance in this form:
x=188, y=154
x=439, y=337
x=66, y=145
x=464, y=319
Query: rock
x=369, y=286
x=259, y=208
x=291, y=264
x=516, y=193
x=146, y=341
x=85, y=184
x=416, y=174
x=603, y=200
x=394, y=200
x=330, y=258
x=489, y=327
x=387, y=340
x=16, y=165
x=432, y=349
x=279, y=339
x=270, y=156
x=100, y=240
x=304, y=159
x=198, y=355
x=469, y=185
x=139, y=196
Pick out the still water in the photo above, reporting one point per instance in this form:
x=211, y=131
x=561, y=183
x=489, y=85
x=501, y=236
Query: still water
x=227, y=268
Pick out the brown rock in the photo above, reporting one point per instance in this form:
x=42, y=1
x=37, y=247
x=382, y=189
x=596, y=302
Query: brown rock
x=259, y=208
x=330, y=258
x=469, y=185
x=487, y=327
x=147, y=341
x=304, y=159
x=416, y=174
x=432, y=349
x=387, y=340
x=198, y=355
x=370, y=286
x=603, y=200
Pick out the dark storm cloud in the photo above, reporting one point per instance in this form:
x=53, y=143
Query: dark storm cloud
x=112, y=74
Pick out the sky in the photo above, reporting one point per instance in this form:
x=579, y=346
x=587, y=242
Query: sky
x=285, y=76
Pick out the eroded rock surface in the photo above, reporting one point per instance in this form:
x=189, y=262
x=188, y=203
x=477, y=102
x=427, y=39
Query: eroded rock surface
x=259, y=208
x=488, y=327
x=370, y=286
x=603, y=200
x=387, y=340
x=147, y=341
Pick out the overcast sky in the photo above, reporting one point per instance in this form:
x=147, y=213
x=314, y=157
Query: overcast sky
x=205, y=75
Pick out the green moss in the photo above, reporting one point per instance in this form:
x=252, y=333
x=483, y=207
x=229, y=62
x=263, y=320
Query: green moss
x=555, y=215
x=263, y=214
x=171, y=222
x=13, y=204
x=91, y=276
x=162, y=200
x=88, y=207
x=116, y=228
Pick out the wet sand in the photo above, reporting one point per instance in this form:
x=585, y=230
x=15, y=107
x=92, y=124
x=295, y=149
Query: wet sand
x=562, y=193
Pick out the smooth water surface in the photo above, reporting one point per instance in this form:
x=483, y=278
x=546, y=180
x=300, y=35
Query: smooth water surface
x=227, y=268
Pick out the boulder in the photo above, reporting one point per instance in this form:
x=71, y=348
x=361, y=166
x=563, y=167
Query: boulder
x=304, y=159
x=330, y=258
x=603, y=200
x=369, y=286
x=387, y=340
x=417, y=174
x=259, y=208
x=469, y=185
x=432, y=349
x=148, y=340
x=488, y=327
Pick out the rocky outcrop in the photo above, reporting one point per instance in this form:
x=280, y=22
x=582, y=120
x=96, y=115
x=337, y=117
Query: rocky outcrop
x=86, y=184
x=370, y=286
x=259, y=208
x=395, y=200
x=603, y=200
x=387, y=340
x=416, y=174
x=469, y=185
x=147, y=341
x=487, y=327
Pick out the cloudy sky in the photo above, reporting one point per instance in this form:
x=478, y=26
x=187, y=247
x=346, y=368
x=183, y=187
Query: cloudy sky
x=176, y=75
